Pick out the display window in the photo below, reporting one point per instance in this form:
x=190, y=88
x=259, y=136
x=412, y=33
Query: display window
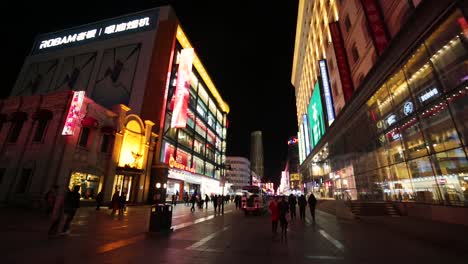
x=90, y=184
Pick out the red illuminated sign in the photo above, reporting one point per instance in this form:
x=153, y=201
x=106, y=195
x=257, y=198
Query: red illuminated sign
x=341, y=60
x=464, y=26
x=292, y=141
x=73, y=113
x=174, y=164
x=182, y=93
x=376, y=24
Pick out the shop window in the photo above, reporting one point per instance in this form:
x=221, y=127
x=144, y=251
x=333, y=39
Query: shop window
x=105, y=142
x=40, y=130
x=84, y=137
x=89, y=184
x=398, y=89
x=412, y=137
x=24, y=180
x=448, y=54
x=402, y=185
x=185, y=138
x=438, y=128
x=394, y=147
x=202, y=94
x=458, y=102
x=421, y=78
x=15, y=131
x=379, y=105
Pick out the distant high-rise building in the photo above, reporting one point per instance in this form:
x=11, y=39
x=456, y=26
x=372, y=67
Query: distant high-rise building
x=256, y=153
x=239, y=173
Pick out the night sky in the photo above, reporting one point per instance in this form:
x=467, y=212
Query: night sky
x=246, y=46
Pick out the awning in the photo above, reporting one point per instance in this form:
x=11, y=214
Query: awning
x=108, y=130
x=18, y=116
x=89, y=121
x=43, y=114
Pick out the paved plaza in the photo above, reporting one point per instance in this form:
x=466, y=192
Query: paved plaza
x=202, y=237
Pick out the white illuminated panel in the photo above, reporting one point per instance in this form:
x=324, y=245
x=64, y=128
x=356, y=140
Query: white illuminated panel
x=305, y=128
x=73, y=113
x=326, y=91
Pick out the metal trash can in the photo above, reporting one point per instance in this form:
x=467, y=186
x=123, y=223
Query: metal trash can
x=160, y=218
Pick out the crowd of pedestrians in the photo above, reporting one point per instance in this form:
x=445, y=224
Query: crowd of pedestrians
x=280, y=210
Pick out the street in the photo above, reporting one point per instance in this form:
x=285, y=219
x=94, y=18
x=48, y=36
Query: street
x=201, y=237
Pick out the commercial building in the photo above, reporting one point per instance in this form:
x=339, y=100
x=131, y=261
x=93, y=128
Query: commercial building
x=239, y=173
x=256, y=153
x=401, y=134
x=150, y=120
x=292, y=165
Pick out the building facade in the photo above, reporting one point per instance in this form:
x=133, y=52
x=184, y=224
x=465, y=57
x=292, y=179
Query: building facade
x=167, y=120
x=402, y=133
x=256, y=153
x=292, y=165
x=239, y=173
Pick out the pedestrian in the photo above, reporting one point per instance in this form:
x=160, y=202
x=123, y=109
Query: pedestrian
x=193, y=201
x=292, y=205
x=283, y=207
x=115, y=202
x=302, y=206
x=215, y=203
x=273, y=206
x=71, y=205
x=236, y=201
x=174, y=199
x=57, y=212
x=312, y=202
x=207, y=200
x=220, y=203
x=122, y=202
x=99, y=199
x=49, y=198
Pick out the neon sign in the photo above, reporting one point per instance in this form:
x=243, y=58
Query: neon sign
x=292, y=141
x=73, y=111
x=181, y=96
x=174, y=164
x=428, y=95
x=326, y=91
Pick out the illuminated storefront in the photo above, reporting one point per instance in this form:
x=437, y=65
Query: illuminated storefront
x=408, y=141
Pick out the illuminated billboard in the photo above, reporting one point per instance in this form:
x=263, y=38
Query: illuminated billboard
x=73, y=113
x=301, y=145
x=181, y=96
x=305, y=130
x=316, y=119
x=327, y=92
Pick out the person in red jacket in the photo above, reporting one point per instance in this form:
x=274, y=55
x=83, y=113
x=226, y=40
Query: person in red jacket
x=273, y=206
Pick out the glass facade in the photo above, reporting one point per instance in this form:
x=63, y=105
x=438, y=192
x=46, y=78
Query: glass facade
x=409, y=141
x=199, y=146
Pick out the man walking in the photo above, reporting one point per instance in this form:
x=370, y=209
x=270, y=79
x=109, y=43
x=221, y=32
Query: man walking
x=292, y=205
x=312, y=202
x=283, y=207
x=72, y=203
x=302, y=206
x=99, y=199
x=273, y=206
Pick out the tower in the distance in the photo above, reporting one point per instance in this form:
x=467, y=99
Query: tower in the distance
x=256, y=153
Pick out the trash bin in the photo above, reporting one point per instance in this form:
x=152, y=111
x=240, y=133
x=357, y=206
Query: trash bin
x=160, y=218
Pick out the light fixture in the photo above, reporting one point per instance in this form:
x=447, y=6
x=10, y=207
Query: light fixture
x=158, y=185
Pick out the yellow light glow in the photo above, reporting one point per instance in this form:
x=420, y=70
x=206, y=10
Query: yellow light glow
x=201, y=70
x=132, y=146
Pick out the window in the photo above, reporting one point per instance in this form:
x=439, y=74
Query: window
x=23, y=182
x=40, y=130
x=355, y=53
x=105, y=142
x=347, y=23
x=15, y=131
x=84, y=137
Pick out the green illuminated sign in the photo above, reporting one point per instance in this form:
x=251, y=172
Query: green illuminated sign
x=316, y=120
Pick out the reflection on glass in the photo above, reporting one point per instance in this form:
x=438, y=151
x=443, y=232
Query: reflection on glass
x=458, y=102
x=413, y=140
x=379, y=105
x=398, y=88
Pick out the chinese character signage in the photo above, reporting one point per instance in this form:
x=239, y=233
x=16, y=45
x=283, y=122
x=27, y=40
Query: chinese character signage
x=316, y=119
x=73, y=113
x=376, y=24
x=97, y=31
x=342, y=61
x=179, y=102
x=327, y=92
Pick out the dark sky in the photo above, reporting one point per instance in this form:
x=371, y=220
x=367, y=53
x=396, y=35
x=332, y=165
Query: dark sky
x=246, y=46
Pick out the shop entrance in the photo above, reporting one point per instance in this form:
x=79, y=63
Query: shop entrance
x=127, y=185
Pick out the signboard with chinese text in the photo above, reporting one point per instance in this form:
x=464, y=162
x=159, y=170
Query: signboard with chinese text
x=376, y=24
x=341, y=60
x=316, y=118
x=73, y=113
x=327, y=91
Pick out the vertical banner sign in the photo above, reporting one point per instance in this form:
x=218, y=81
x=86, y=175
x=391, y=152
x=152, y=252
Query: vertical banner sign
x=182, y=93
x=341, y=60
x=305, y=126
x=326, y=91
x=73, y=113
x=301, y=147
x=376, y=24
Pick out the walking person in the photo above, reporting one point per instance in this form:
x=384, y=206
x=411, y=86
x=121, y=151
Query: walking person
x=312, y=202
x=273, y=206
x=302, y=206
x=215, y=203
x=115, y=202
x=174, y=199
x=283, y=208
x=57, y=212
x=292, y=205
x=220, y=203
x=50, y=198
x=193, y=201
x=71, y=205
x=207, y=200
x=122, y=202
x=99, y=199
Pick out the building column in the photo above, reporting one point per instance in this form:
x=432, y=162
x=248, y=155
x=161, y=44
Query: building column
x=142, y=185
